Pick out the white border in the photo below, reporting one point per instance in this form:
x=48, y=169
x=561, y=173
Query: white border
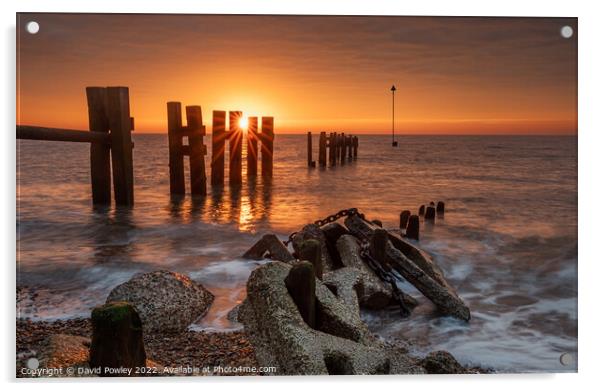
x=590, y=197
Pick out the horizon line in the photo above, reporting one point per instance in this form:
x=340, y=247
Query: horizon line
x=567, y=134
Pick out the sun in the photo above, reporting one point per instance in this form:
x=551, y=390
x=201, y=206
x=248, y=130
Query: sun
x=243, y=123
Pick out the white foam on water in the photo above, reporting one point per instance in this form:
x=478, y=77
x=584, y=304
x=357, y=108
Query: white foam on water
x=227, y=281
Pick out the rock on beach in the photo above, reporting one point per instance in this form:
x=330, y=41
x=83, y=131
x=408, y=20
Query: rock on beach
x=166, y=301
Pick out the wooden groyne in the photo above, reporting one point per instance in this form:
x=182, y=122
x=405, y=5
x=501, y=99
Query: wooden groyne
x=110, y=143
x=332, y=148
x=111, y=157
x=196, y=149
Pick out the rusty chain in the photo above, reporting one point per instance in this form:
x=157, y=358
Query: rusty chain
x=329, y=219
x=365, y=254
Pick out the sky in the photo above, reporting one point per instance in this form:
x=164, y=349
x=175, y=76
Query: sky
x=311, y=73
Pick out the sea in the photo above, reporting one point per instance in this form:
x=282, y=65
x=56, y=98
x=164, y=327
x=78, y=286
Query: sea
x=507, y=242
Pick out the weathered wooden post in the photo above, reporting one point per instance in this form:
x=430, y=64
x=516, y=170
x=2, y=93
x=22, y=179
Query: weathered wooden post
x=333, y=149
x=440, y=208
x=342, y=147
x=310, y=159
x=421, y=210
x=327, y=148
x=430, y=213
x=252, y=137
x=356, y=144
x=413, y=229
x=342, y=150
x=235, y=141
x=120, y=123
x=403, y=219
x=267, y=146
x=100, y=154
x=301, y=285
x=110, y=136
x=116, y=338
x=333, y=144
x=218, y=140
x=322, y=151
x=176, y=157
x=195, y=131
x=378, y=245
x=350, y=147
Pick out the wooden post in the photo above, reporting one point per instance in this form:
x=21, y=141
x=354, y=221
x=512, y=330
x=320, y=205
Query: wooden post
x=117, y=340
x=322, y=150
x=356, y=144
x=195, y=132
x=430, y=213
x=342, y=149
x=100, y=154
x=118, y=111
x=413, y=228
x=310, y=161
x=252, y=147
x=235, y=141
x=176, y=157
x=333, y=149
x=440, y=208
x=267, y=146
x=350, y=147
x=328, y=146
x=378, y=245
x=218, y=140
x=403, y=219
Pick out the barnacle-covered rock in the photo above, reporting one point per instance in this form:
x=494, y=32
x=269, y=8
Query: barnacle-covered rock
x=166, y=301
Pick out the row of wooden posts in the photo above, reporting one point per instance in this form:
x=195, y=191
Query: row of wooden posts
x=111, y=157
x=196, y=149
x=340, y=147
x=410, y=223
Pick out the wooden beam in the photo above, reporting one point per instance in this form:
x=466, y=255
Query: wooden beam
x=27, y=132
x=186, y=151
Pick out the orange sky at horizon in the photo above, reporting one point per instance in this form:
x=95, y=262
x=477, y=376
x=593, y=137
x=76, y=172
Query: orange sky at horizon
x=312, y=73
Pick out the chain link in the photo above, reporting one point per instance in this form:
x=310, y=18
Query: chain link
x=329, y=219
